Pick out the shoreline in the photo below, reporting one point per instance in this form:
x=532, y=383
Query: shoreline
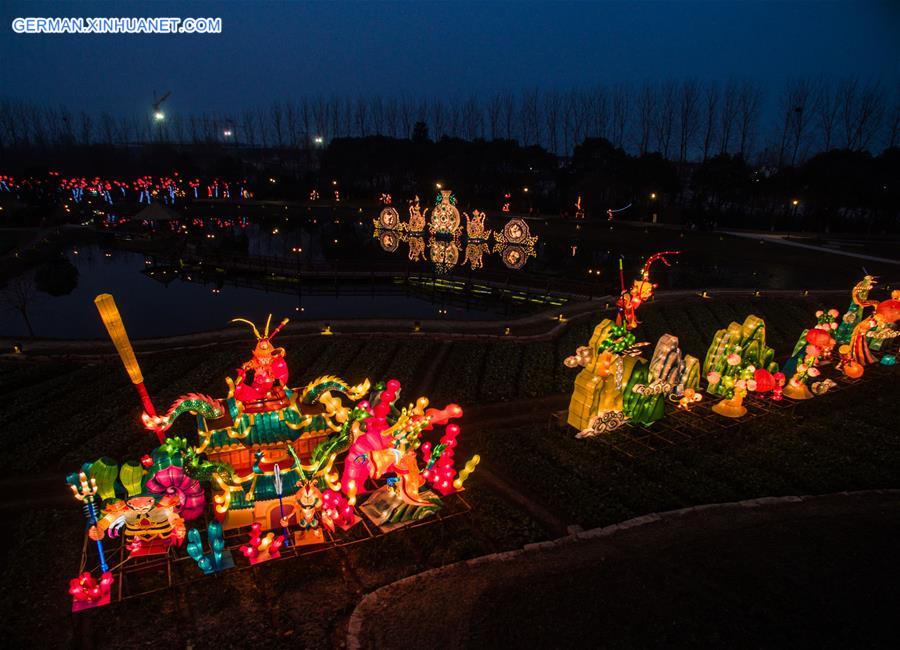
x=534, y=327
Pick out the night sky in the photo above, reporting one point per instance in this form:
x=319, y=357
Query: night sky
x=280, y=50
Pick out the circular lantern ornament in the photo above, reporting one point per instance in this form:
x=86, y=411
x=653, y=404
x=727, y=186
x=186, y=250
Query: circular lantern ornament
x=516, y=231
x=389, y=219
x=514, y=257
x=389, y=241
x=172, y=481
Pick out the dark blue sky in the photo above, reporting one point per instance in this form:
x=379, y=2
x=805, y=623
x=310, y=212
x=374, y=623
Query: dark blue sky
x=276, y=50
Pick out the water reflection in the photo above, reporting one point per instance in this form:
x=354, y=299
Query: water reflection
x=514, y=243
x=444, y=254
x=475, y=251
x=514, y=256
x=416, y=248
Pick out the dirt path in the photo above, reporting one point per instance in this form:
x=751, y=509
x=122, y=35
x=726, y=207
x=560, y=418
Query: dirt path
x=791, y=572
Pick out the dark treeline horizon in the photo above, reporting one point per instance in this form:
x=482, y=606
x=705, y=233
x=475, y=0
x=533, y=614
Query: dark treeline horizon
x=684, y=121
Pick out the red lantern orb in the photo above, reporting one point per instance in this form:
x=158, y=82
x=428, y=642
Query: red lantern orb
x=764, y=380
x=820, y=338
x=889, y=311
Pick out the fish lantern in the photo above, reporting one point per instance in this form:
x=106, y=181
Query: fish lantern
x=765, y=381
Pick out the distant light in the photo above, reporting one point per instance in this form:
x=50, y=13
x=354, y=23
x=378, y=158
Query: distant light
x=525, y=189
x=334, y=182
x=159, y=116
x=652, y=195
x=271, y=180
x=438, y=185
x=318, y=139
x=795, y=203
x=228, y=133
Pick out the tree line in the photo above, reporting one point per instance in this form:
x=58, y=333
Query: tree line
x=685, y=120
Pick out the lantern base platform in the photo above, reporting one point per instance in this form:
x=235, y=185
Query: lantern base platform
x=262, y=557
x=347, y=526
x=729, y=409
x=797, y=391
x=309, y=537
x=150, y=548
x=81, y=605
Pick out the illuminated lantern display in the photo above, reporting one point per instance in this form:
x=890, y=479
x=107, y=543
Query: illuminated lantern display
x=515, y=243
x=803, y=364
x=272, y=458
x=112, y=320
x=687, y=399
x=881, y=323
x=150, y=525
x=416, y=217
x=445, y=219
x=646, y=390
x=388, y=219
x=733, y=407
x=859, y=297
x=851, y=368
x=87, y=591
x=516, y=231
x=270, y=453
x=218, y=558
x=764, y=380
x=615, y=385
x=641, y=290
x=261, y=547
x=475, y=227
x=734, y=356
x=779, y=380
x=86, y=492
x=868, y=331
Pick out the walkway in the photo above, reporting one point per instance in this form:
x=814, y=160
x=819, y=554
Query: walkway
x=790, y=572
x=783, y=239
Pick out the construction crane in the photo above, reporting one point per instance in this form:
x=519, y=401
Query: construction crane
x=158, y=113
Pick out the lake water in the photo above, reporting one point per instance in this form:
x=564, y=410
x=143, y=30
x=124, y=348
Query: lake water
x=197, y=273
